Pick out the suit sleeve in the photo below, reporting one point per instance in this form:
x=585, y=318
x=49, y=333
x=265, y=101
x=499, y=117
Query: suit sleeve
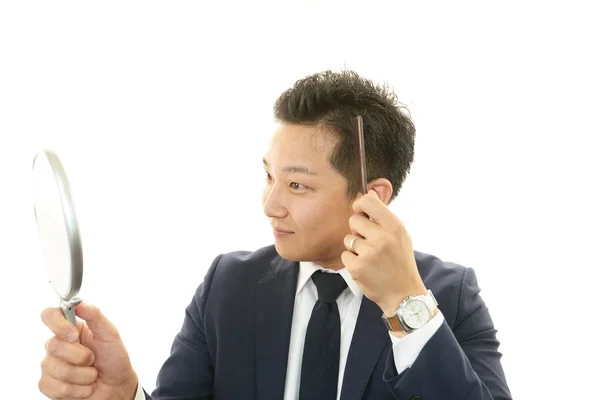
x=406, y=350
x=460, y=363
x=188, y=372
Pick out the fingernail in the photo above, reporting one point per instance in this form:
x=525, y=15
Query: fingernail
x=72, y=336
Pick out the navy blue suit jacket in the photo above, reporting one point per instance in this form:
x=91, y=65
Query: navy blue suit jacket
x=234, y=341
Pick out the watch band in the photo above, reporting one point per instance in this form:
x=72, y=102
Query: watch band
x=395, y=322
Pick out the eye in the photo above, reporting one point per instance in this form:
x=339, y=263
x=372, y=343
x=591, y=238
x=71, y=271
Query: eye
x=296, y=185
x=268, y=177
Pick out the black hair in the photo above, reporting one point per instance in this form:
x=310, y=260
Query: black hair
x=332, y=100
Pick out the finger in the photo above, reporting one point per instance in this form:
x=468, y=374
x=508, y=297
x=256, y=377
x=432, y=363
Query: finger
x=55, y=389
x=356, y=244
x=364, y=227
x=349, y=259
x=72, y=353
x=375, y=209
x=97, y=323
x=55, y=320
x=65, y=372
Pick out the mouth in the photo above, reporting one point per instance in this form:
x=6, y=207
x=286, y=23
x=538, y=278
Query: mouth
x=280, y=232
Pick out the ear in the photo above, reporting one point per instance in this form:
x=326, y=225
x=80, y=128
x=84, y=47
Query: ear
x=383, y=188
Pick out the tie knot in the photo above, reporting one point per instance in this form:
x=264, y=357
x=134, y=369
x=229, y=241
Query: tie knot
x=329, y=286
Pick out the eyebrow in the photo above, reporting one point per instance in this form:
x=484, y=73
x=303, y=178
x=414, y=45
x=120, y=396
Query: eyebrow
x=299, y=169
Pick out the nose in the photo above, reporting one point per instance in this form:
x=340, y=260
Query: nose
x=273, y=202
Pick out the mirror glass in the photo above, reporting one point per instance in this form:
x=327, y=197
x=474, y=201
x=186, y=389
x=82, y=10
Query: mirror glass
x=57, y=225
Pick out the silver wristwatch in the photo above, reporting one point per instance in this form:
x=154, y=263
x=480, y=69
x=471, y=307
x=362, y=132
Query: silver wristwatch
x=414, y=312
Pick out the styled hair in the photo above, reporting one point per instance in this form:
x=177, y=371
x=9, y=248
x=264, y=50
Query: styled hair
x=332, y=100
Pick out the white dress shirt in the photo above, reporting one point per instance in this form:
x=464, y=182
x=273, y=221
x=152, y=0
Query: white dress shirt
x=405, y=350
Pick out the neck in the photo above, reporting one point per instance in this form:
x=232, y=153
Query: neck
x=333, y=263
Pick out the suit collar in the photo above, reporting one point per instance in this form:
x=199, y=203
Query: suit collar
x=307, y=268
x=274, y=305
x=369, y=340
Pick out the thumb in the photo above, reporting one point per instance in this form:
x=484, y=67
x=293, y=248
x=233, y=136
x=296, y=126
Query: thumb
x=98, y=324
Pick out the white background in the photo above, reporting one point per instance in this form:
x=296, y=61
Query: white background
x=161, y=111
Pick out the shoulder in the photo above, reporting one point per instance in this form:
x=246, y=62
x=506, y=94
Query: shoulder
x=434, y=269
x=452, y=284
x=245, y=259
x=242, y=265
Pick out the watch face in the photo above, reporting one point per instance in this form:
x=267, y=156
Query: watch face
x=415, y=313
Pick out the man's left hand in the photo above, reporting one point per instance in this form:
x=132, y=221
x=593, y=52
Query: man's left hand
x=383, y=262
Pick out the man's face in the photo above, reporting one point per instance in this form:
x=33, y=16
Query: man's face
x=305, y=197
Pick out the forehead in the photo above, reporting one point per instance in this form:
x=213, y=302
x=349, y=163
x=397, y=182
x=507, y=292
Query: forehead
x=297, y=144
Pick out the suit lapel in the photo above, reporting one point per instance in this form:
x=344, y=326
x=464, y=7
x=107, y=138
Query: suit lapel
x=369, y=339
x=274, y=305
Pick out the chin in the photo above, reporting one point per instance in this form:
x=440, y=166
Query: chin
x=286, y=252
x=291, y=252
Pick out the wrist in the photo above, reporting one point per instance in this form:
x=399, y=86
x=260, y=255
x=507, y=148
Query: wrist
x=414, y=312
x=135, y=389
x=390, y=304
x=129, y=388
x=399, y=334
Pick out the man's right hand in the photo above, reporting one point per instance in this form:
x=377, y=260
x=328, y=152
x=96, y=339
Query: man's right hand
x=98, y=368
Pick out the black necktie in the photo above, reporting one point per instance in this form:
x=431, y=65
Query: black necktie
x=321, y=359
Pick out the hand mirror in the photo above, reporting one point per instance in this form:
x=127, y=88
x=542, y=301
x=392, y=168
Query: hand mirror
x=58, y=230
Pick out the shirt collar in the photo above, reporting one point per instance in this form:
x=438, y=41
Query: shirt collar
x=307, y=268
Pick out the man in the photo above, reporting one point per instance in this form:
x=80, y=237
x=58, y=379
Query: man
x=327, y=312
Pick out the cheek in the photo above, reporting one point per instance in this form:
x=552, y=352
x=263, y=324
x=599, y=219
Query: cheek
x=323, y=219
x=306, y=217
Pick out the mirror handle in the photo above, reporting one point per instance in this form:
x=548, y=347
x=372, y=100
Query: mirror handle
x=68, y=309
